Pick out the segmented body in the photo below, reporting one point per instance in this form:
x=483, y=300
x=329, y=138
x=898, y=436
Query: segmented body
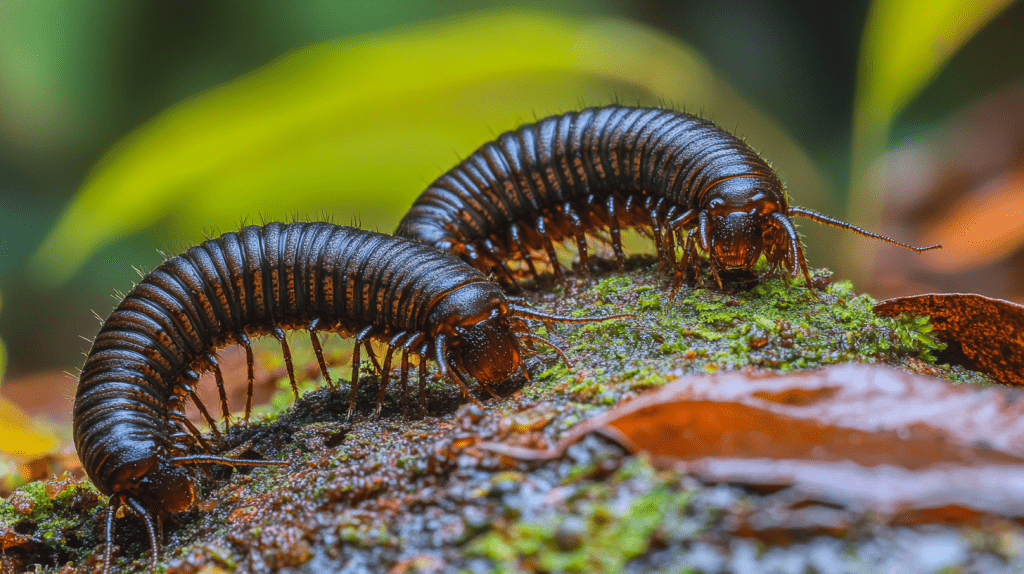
x=129, y=426
x=679, y=178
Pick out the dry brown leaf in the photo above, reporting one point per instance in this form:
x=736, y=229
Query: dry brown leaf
x=861, y=436
x=989, y=332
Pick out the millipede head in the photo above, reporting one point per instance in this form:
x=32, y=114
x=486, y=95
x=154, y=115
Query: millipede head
x=488, y=350
x=159, y=485
x=483, y=345
x=735, y=226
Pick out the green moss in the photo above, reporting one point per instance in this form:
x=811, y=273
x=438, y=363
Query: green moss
x=52, y=519
x=594, y=531
x=775, y=325
x=32, y=495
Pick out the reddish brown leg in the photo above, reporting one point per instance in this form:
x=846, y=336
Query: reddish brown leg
x=523, y=251
x=615, y=231
x=671, y=240
x=385, y=374
x=206, y=414
x=492, y=252
x=219, y=377
x=314, y=338
x=354, y=386
x=175, y=413
x=407, y=348
x=250, y=363
x=656, y=231
x=549, y=247
x=278, y=334
x=373, y=356
x=693, y=257
x=714, y=271
x=581, y=237
x=423, y=378
x=360, y=338
x=405, y=380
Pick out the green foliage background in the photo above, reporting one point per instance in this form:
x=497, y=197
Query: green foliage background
x=347, y=110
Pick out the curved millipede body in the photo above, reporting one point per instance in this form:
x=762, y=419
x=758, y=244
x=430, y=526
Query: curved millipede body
x=129, y=426
x=679, y=178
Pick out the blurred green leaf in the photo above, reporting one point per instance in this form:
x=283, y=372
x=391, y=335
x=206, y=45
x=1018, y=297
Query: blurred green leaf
x=906, y=43
x=360, y=125
x=51, y=54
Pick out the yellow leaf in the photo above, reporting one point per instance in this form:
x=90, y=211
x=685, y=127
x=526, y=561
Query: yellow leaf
x=19, y=436
x=3, y=356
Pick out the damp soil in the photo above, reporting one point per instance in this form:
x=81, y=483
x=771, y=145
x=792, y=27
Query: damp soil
x=366, y=493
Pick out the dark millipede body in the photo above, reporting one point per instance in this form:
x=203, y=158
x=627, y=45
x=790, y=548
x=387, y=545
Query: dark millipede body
x=676, y=177
x=129, y=426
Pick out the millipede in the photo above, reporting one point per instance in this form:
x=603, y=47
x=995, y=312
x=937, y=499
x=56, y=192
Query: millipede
x=678, y=178
x=131, y=433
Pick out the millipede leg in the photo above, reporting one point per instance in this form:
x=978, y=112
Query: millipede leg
x=218, y=376
x=492, y=252
x=423, y=379
x=549, y=247
x=206, y=414
x=410, y=344
x=362, y=337
x=367, y=344
x=615, y=231
x=688, y=261
x=797, y=249
x=803, y=267
x=671, y=241
x=464, y=385
x=385, y=374
x=507, y=273
x=693, y=258
x=405, y=381
x=195, y=432
x=679, y=277
x=714, y=271
x=523, y=251
x=680, y=227
x=656, y=231
x=581, y=237
x=354, y=387
x=250, y=362
x=279, y=334
x=314, y=338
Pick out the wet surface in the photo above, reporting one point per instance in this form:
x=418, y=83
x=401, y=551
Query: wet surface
x=366, y=494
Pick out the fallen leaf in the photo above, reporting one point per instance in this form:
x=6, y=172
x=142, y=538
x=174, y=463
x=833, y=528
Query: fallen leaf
x=19, y=435
x=860, y=436
x=989, y=332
